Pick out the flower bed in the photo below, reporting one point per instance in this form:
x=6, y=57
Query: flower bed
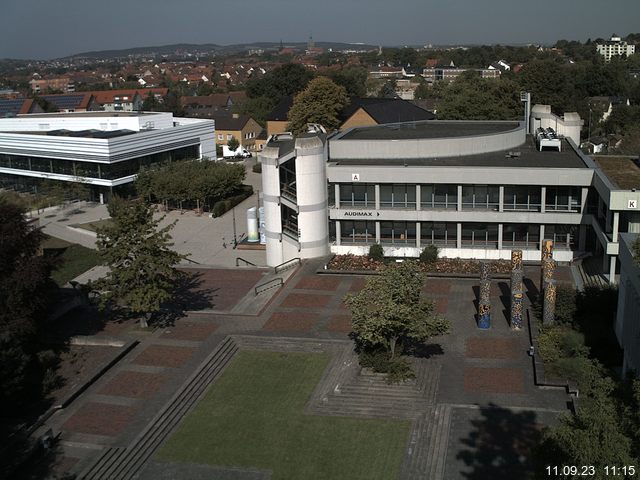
x=443, y=265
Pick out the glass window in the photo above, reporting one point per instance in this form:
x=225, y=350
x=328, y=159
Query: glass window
x=438, y=234
x=563, y=236
x=479, y=234
x=357, y=195
x=41, y=164
x=357, y=232
x=522, y=197
x=563, y=199
x=480, y=197
x=398, y=233
x=398, y=196
x=520, y=234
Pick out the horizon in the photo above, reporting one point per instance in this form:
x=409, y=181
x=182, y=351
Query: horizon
x=80, y=28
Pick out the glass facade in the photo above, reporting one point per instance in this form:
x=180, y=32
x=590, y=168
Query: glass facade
x=563, y=199
x=439, y=197
x=398, y=233
x=398, y=196
x=445, y=234
x=357, y=232
x=480, y=234
x=522, y=197
x=480, y=197
x=357, y=195
x=106, y=171
x=520, y=235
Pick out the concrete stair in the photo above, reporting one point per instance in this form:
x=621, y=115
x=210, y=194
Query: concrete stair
x=118, y=463
x=426, y=455
x=591, y=272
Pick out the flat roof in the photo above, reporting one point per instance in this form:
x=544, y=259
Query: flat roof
x=530, y=157
x=88, y=114
x=104, y=134
x=624, y=172
x=428, y=129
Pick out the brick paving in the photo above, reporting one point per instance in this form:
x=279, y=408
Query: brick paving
x=291, y=322
x=221, y=289
x=184, y=330
x=494, y=380
x=477, y=367
x=100, y=419
x=306, y=300
x=164, y=356
x=134, y=384
x=501, y=348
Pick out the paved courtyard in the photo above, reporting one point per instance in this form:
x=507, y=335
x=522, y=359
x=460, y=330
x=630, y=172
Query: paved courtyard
x=474, y=408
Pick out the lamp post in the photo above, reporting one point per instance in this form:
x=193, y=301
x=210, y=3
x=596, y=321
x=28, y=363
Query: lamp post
x=235, y=241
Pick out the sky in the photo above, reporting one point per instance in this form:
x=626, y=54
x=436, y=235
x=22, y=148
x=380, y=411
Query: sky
x=45, y=29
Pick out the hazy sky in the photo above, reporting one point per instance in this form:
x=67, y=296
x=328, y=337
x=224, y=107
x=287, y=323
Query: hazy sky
x=43, y=29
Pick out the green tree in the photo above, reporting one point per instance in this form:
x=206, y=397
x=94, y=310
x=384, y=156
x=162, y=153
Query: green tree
x=142, y=267
x=353, y=79
x=282, y=81
x=388, y=310
x=321, y=102
x=233, y=144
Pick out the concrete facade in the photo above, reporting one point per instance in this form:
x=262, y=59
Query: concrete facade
x=627, y=324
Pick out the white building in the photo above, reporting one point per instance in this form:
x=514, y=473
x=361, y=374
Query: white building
x=615, y=47
x=102, y=149
x=475, y=189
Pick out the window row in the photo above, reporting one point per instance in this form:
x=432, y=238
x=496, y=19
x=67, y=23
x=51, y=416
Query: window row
x=446, y=234
x=445, y=196
x=107, y=171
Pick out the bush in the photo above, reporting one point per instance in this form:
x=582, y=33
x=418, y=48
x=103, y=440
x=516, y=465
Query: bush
x=429, y=254
x=398, y=369
x=223, y=206
x=376, y=252
x=257, y=168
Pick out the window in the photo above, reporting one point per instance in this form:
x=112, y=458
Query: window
x=521, y=235
x=480, y=197
x=357, y=195
x=398, y=233
x=220, y=136
x=522, y=197
x=563, y=199
x=439, y=196
x=480, y=234
x=438, y=234
x=229, y=136
x=398, y=196
x=563, y=236
x=357, y=232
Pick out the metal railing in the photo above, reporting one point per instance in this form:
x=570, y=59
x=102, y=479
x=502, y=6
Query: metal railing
x=285, y=265
x=246, y=262
x=273, y=283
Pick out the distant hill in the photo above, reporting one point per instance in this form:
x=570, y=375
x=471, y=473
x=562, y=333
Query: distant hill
x=209, y=48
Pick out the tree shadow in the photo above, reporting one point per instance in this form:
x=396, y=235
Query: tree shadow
x=416, y=349
x=500, y=445
x=189, y=295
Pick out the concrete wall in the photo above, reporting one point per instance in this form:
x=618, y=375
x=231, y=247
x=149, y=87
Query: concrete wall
x=428, y=147
x=627, y=325
x=568, y=126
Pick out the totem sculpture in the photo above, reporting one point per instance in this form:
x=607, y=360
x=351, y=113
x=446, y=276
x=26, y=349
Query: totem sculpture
x=549, y=307
x=547, y=254
x=548, y=271
x=484, y=306
x=517, y=288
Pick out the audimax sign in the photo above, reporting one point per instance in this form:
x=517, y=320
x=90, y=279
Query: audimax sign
x=360, y=213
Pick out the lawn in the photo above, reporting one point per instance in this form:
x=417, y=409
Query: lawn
x=253, y=417
x=93, y=226
x=73, y=259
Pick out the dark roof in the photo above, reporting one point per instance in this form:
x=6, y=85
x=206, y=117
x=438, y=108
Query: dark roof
x=281, y=110
x=228, y=122
x=69, y=101
x=382, y=110
x=529, y=157
x=428, y=129
x=12, y=107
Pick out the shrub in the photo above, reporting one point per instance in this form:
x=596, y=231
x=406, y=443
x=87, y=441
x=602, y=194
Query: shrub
x=376, y=252
x=257, y=168
x=429, y=254
x=398, y=369
x=223, y=206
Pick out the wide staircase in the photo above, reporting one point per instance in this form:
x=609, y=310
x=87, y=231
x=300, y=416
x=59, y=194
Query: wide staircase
x=119, y=463
x=591, y=272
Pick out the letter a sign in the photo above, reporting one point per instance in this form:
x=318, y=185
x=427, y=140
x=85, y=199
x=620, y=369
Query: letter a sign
x=355, y=177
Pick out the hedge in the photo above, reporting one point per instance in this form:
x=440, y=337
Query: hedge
x=223, y=206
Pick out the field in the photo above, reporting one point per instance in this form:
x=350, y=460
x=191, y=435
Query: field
x=253, y=417
x=73, y=259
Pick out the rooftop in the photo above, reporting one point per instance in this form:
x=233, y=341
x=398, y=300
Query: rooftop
x=428, y=129
x=92, y=133
x=91, y=114
x=624, y=172
x=529, y=157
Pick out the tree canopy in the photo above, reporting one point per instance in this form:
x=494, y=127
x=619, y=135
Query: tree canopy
x=142, y=266
x=321, y=102
x=389, y=311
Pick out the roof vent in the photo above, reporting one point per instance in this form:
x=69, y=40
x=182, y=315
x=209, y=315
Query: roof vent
x=512, y=155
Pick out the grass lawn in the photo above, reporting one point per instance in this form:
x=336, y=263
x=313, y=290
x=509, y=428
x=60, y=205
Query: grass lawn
x=253, y=417
x=74, y=259
x=93, y=226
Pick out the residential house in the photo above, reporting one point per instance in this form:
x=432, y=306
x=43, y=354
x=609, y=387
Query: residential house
x=18, y=106
x=206, y=106
x=615, y=47
x=42, y=85
x=241, y=127
x=73, y=102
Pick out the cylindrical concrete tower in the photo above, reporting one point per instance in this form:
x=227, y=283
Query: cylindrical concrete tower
x=311, y=182
x=271, y=201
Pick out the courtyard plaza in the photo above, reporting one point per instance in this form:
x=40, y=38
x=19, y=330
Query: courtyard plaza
x=472, y=411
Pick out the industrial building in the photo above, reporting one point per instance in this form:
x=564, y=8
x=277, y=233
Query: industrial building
x=476, y=189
